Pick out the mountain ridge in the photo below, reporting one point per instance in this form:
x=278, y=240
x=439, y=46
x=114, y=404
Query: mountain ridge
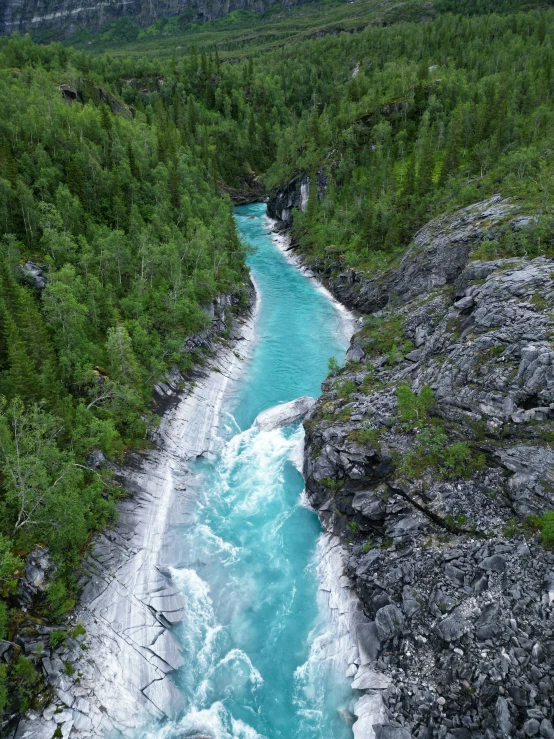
x=67, y=17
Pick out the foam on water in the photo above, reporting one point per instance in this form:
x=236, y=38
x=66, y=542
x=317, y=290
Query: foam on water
x=256, y=633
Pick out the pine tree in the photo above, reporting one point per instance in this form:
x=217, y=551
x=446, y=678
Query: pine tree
x=122, y=361
x=119, y=211
x=452, y=154
x=9, y=289
x=408, y=189
x=33, y=331
x=23, y=380
x=105, y=117
x=133, y=166
x=426, y=165
x=74, y=178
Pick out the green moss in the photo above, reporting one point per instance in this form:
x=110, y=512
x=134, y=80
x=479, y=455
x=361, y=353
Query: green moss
x=345, y=389
x=330, y=483
x=538, y=301
x=353, y=527
x=367, y=436
x=57, y=637
x=547, y=529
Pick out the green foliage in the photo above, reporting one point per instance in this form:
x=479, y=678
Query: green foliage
x=57, y=637
x=431, y=448
x=345, y=389
x=332, y=366
x=414, y=409
x=330, y=483
x=458, y=460
x=59, y=598
x=353, y=527
x=367, y=436
x=386, y=335
x=123, y=210
x=547, y=528
x=10, y=567
x=26, y=681
x=79, y=630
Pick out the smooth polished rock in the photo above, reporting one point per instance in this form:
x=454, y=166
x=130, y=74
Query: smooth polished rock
x=282, y=415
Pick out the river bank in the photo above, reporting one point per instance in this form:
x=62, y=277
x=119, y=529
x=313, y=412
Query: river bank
x=128, y=604
x=430, y=458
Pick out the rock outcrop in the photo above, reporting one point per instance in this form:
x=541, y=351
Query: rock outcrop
x=430, y=457
x=291, y=195
x=66, y=17
x=282, y=415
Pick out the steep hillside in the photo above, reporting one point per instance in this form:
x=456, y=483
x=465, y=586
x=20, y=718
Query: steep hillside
x=430, y=455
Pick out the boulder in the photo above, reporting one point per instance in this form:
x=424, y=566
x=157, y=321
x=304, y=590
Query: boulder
x=284, y=414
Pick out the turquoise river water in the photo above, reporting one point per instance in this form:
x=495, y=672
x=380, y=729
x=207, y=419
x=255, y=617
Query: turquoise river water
x=252, y=638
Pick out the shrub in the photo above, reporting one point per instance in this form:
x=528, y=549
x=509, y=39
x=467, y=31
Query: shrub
x=414, y=408
x=57, y=637
x=332, y=366
x=367, y=436
x=26, y=681
x=345, y=389
x=459, y=461
x=3, y=689
x=59, y=599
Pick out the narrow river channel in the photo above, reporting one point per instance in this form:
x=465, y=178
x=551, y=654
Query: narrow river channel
x=256, y=628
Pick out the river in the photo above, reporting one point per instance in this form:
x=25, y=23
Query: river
x=256, y=628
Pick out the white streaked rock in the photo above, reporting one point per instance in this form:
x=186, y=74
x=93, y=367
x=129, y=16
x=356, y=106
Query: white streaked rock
x=129, y=603
x=282, y=415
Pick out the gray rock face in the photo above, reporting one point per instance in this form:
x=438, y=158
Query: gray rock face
x=284, y=414
x=39, y=570
x=34, y=274
x=69, y=16
x=456, y=588
x=291, y=195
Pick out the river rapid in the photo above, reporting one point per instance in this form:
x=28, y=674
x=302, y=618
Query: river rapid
x=256, y=633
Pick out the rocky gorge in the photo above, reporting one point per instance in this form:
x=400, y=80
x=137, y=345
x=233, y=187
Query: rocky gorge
x=429, y=460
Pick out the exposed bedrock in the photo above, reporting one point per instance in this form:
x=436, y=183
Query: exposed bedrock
x=291, y=195
x=437, y=495
x=121, y=669
x=69, y=16
x=282, y=415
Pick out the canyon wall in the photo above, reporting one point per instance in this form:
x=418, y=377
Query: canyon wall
x=429, y=458
x=62, y=18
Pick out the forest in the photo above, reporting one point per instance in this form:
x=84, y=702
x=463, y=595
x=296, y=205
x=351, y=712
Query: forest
x=114, y=169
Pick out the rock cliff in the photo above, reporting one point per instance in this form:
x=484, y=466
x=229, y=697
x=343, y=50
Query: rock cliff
x=65, y=17
x=430, y=456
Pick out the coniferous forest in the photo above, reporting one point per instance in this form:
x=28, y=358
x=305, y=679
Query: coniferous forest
x=116, y=166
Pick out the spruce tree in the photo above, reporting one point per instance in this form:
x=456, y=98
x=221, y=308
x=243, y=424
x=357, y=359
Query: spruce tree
x=133, y=166
x=23, y=380
x=452, y=154
x=424, y=183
